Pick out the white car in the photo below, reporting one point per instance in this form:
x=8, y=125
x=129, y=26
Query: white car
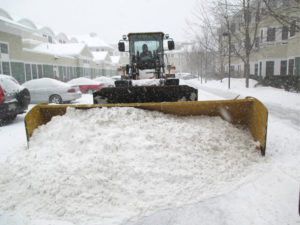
x=51, y=90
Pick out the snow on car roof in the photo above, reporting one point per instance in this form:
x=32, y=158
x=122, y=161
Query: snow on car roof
x=44, y=82
x=83, y=81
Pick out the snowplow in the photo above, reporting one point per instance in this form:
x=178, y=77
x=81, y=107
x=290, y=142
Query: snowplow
x=248, y=112
x=146, y=61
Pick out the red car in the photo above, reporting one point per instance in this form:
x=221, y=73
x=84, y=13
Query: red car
x=86, y=85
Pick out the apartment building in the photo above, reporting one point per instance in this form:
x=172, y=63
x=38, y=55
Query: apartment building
x=29, y=51
x=277, y=46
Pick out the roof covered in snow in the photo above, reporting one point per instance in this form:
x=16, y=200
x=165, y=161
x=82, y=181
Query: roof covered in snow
x=69, y=49
x=27, y=23
x=5, y=14
x=92, y=40
x=100, y=56
x=115, y=59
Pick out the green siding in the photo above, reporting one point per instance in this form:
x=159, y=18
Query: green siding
x=48, y=71
x=60, y=71
x=17, y=71
x=297, y=66
x=79, y=72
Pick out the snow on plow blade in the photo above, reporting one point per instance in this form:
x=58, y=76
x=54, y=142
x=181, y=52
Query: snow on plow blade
x=248, y=112
x=142, y=94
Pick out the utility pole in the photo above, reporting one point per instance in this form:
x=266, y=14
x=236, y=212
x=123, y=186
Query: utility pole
x=229, y=56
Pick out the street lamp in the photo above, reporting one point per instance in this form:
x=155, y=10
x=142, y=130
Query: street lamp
x=229, y=56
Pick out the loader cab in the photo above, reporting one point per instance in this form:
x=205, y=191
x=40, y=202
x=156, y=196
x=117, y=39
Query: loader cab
x=146, y=52
x=146, y=49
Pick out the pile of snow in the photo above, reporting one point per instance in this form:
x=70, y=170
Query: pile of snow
x=107, y=81
x=270, y=96
x=110, y=165
x=146, y=82
x=83, y=81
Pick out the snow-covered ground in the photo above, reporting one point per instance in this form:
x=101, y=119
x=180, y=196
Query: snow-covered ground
x=266, y=192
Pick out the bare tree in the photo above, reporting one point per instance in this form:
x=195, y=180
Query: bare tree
x=242, y=14
x=202, y=27
x=222, y=16
x=291, y=19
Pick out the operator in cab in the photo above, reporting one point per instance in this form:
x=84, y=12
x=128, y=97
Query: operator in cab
x=145, y=54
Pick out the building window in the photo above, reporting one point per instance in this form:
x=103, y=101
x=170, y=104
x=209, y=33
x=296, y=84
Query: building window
x=260, y=68
x=3, y=48
x=293, y=29
x=269, y=68
x=257, y=42
x=28, y=72
x=256, y=69
x=40, y=71
x=291, y=67
x=34, y=71
x=283, y=67
x=271, y=34
x=5, y=68
x=285, y=33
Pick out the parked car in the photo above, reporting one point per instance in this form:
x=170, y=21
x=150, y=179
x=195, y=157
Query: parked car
x=51, y=90
x=86, y=85
x=14, y=98
x=106, y=81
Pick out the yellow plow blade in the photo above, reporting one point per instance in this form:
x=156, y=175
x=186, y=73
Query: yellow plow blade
x=248, y=112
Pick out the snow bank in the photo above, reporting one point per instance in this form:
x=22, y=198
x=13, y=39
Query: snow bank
x=109, y=165
x=268, y=95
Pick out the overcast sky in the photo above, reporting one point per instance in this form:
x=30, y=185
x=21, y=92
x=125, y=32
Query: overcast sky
x=109, y=18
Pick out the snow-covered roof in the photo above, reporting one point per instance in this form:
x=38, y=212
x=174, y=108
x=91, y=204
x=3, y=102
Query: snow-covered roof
x=100, y=56
x=28, y=23
x=47, y=30
x=31, y=41
x=5, y=14
x=9, y=22
x=73, y=40
x=92, y=40
x=115, y=59
x=62, y=36
x=68, y=49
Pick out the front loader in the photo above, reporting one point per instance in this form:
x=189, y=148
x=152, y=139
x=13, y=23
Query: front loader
x=146, y=61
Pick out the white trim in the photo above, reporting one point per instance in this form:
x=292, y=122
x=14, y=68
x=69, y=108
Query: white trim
x=5, y=61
